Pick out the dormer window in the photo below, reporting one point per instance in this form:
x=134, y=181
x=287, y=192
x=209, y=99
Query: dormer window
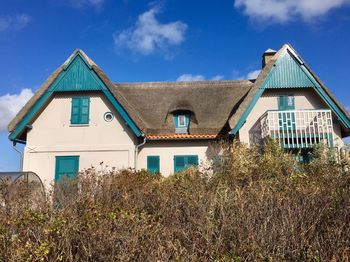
x=181, y=120
x=181, y=123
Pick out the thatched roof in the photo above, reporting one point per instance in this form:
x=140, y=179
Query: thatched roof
x=215, y=106
x=209, y=102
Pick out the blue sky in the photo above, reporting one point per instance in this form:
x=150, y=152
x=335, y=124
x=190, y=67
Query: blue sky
x=167, y=40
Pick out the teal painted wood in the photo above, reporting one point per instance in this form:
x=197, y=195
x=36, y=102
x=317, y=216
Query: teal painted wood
x=182, y=162
x=287, y=73
x=153, y=164
x=176, y=120
x=329, y=101
x=286, y=102
x=268, y=84
x=77, y=77
x=244, y=116
x=122, y=112
x=30, y=115
x=66, y=166
x=80, y=111
x=56, y=84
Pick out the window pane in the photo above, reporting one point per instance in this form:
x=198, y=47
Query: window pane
x=85, y=101
x=75, y=119
x=85, y=110
x=182, y=120
x=84, y=119
x=290, y=101
x=192, y=160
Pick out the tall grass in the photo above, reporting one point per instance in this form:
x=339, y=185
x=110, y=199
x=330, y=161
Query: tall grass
x=255, y=206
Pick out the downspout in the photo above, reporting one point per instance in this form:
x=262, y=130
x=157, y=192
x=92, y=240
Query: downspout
x=137, y=151
x=21, y=155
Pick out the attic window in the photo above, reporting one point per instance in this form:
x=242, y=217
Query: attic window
x=181, y=123
x=181, y=120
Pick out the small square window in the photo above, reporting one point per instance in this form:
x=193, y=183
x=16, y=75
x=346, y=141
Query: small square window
x=181, y=121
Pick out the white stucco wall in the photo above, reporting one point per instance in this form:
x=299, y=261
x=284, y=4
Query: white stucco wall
x=52, y=135
x=304, y=99
x=168, y=149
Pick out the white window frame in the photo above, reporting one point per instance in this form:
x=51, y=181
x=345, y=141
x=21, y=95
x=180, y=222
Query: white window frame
x=179, y=118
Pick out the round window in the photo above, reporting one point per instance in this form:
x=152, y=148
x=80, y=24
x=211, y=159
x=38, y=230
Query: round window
x=108, y=116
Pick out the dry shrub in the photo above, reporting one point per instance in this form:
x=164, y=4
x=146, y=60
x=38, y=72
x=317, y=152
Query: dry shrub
x=256, y=206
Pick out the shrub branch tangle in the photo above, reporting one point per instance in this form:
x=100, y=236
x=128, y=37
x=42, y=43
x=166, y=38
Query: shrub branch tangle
x=255, y=206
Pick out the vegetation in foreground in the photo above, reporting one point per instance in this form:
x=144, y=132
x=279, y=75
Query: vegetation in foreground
x=249, y=206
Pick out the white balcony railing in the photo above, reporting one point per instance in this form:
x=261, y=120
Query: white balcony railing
x=298, y=128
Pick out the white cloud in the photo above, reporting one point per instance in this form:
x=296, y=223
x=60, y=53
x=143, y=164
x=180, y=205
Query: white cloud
x=285, y=10
x=13, y=22
x=217, y=77
x=96, y=4
x=11, y=104
x=249, y=76
x=346, y=140
x=190, y=77
x=253, y=74
x=150, y=35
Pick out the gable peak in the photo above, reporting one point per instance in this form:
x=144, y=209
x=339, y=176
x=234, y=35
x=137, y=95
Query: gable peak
x=79, y=53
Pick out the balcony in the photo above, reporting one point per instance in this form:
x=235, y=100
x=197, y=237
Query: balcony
x=298, y=128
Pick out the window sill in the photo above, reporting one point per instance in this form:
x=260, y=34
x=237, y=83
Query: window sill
x=78, y=125
x=181, y=130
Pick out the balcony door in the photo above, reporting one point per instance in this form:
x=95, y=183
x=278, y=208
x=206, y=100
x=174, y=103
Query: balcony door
x=286, y=102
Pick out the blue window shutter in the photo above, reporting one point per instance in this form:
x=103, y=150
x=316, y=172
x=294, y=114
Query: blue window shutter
x=153, y=164
x=179, y=163
x=66, y=166
x=85, y=110
x=75, y=110
x=183, y=162
x=192, y=160
x=176, y=121
x=80, y=110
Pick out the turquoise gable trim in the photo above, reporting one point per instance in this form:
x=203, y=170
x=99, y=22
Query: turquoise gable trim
x=273, y=80
x=122, y=112
x=79, y=72
x=244, y=116
x=288, y=73
x=25, y=120
x=77, y=76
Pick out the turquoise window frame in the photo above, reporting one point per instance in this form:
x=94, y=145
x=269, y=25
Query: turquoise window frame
x=153, y=164
x=59, y=162
x=187, y=160
x=80, y=110
x=176, y=120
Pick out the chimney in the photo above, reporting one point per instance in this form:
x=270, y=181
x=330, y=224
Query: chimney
x=268, y=54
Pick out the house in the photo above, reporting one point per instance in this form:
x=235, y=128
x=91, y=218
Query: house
x=80, y=118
